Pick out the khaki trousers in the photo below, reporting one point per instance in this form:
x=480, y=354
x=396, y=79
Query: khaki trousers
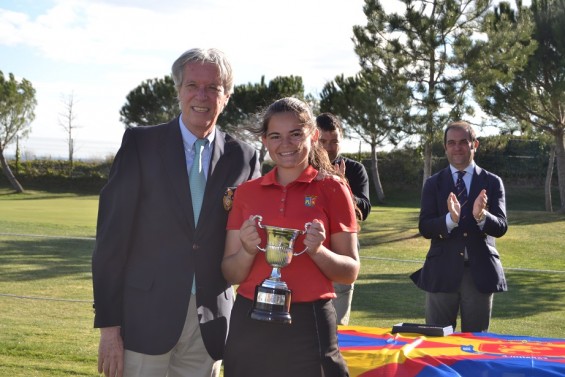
x=188, y=358
x=342, y=303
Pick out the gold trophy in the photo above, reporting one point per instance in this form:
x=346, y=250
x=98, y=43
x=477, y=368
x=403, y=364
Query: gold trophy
x=272, y=296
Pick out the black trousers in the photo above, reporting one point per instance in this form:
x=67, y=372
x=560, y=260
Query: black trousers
x=303, y=348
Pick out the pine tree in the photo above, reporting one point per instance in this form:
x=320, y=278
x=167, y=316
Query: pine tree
x=534, y=96
x=421, y=44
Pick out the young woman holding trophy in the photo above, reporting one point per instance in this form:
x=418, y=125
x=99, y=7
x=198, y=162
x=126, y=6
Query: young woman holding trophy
x=291, y=233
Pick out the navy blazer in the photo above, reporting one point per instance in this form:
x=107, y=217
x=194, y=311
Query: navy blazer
x=444, y=264
x=148, y=249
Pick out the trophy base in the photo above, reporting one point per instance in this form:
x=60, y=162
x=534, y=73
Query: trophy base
x=271, y=305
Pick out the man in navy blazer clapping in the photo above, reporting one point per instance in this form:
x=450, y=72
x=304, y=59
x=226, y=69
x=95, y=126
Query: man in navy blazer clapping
x=463, y=210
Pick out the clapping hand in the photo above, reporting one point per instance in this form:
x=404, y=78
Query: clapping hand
x=480, y=204
x=340, y=167
x=454, y=207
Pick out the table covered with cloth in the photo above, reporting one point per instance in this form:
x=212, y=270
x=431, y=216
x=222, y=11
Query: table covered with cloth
x=376, y=352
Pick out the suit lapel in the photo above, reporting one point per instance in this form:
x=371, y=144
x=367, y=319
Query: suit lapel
x=174, y=163
x=219, y=149
x=215, y=181
x=478, y=183
x=445, y=183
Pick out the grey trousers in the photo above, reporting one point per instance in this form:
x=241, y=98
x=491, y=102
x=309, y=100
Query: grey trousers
x=475, y=307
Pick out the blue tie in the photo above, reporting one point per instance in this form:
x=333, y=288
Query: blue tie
x=197, y=179
x=197, y=182
x=461, y=192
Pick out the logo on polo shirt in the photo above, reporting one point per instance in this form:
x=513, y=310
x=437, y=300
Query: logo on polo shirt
x=310, y=201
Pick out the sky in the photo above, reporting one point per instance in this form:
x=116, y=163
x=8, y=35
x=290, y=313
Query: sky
x=97, y=51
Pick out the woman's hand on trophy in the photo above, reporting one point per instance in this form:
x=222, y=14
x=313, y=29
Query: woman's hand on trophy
x=249, y=236
x=315, y=236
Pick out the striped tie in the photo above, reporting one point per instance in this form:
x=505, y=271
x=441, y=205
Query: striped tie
x=197, y=179
x=461, y=192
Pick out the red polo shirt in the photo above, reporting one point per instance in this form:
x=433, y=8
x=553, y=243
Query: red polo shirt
x=292, y=206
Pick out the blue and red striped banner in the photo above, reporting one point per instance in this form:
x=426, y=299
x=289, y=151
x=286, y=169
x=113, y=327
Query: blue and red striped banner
x=375, y=352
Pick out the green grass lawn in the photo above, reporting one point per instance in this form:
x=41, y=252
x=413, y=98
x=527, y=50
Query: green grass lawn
x=532, y=253
x=46, y=241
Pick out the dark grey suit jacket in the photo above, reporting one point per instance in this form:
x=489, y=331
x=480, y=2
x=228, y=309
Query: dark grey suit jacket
x=444, y=264
x=147, y=248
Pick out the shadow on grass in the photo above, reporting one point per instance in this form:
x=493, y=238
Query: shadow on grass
x=391, y=296
x=534, y=217
x=386, y=238
x=374, y=233
x=530, y=293
x=44, y=258
x=394, y=296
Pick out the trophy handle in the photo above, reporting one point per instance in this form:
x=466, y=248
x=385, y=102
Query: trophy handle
x=259, y=218
x=306, y=227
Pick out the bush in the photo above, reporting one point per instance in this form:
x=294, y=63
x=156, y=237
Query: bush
x=58, y=176
x=519, y=161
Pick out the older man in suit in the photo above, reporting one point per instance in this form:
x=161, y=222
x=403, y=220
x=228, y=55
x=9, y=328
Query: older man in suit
x=161, y=302
x=463, y=210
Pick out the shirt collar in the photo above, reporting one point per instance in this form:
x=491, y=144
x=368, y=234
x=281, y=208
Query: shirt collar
x=307, y=176
x=469, y=169
x=188, y=137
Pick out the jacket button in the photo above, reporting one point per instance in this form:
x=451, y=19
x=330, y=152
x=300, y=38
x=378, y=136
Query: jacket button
x=195, y=246
x=465, y=234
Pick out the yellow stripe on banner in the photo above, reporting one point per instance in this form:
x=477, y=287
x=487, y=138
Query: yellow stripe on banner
x=366, y=349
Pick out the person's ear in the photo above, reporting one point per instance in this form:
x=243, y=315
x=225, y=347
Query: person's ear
x=226, y=101
x=316, y=135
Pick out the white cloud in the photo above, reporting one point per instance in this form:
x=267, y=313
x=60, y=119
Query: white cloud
x=102, y=49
